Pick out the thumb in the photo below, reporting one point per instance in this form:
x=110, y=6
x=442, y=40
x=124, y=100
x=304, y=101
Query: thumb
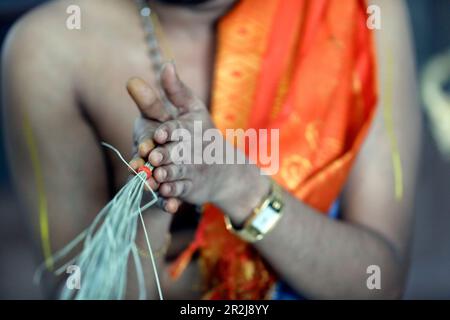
x=147, y=100
x=176, y=91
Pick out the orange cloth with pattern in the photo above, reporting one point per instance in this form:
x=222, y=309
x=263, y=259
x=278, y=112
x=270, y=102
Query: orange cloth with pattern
x=307, y=68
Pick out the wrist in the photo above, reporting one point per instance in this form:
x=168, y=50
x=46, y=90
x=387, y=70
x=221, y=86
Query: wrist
x=244, y=189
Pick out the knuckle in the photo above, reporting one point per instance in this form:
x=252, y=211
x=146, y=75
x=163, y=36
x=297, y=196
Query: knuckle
x=185, y=188
x=167, y=189
x=166, y=154
x=183, y=171
x=173, y=189
x=174, y=150
x=171, y=172
x=181, y=188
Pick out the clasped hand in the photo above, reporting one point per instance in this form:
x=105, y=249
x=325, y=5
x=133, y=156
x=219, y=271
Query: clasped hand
x=155, y=141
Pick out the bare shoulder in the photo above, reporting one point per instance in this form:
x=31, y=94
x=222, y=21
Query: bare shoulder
x=41, y=32
x=42, y=36
x=39, y=52
x=42, y=52
x=382, y=182
x=397, y=122
x=398, y=103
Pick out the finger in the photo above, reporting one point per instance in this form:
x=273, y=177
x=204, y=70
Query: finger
x=170, y=172
x=145, y=147
x=152, y=183
x=147, y=100
x=136, y=163
x=168, y=131
x=172, y=205
x=176, y=91
x=162, y=154
x=143, y=136
x=176, y=188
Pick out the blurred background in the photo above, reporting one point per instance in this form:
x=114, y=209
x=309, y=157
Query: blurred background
x=429, y=276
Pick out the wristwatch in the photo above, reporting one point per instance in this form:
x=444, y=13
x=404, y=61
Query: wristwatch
x=263, y=218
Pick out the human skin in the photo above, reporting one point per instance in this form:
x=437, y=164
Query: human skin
x=83, y=101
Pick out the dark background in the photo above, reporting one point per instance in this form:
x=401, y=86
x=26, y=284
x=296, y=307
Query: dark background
x=430, y=271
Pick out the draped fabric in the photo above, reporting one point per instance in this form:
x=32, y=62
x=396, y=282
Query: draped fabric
x=307, y=68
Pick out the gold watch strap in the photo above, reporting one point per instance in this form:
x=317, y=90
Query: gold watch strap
x=263, y=219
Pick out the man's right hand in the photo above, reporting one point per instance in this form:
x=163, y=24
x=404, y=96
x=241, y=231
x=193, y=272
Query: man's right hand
x=153, y=114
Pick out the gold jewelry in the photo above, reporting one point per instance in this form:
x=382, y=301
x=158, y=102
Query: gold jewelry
x=263, y=219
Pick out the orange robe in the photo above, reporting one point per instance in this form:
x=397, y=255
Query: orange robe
x=307, y=68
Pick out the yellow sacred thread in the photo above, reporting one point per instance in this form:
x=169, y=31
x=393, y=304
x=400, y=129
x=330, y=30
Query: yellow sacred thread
x=42, y=199
x=389, y=123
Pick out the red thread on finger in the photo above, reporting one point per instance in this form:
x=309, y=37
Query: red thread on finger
x=147, y=170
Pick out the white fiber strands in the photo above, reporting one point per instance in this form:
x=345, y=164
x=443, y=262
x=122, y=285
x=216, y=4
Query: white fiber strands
x=108, y=244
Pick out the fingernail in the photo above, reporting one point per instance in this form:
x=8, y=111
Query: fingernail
x=162, y=174
x=167, y=188
x=157, y=157
x=143, y=149
x=161, y=135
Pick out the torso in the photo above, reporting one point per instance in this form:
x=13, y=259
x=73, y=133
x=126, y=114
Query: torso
x=113, y=51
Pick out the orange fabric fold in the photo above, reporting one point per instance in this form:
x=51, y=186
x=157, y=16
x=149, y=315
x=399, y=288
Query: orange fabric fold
x=307, y=68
